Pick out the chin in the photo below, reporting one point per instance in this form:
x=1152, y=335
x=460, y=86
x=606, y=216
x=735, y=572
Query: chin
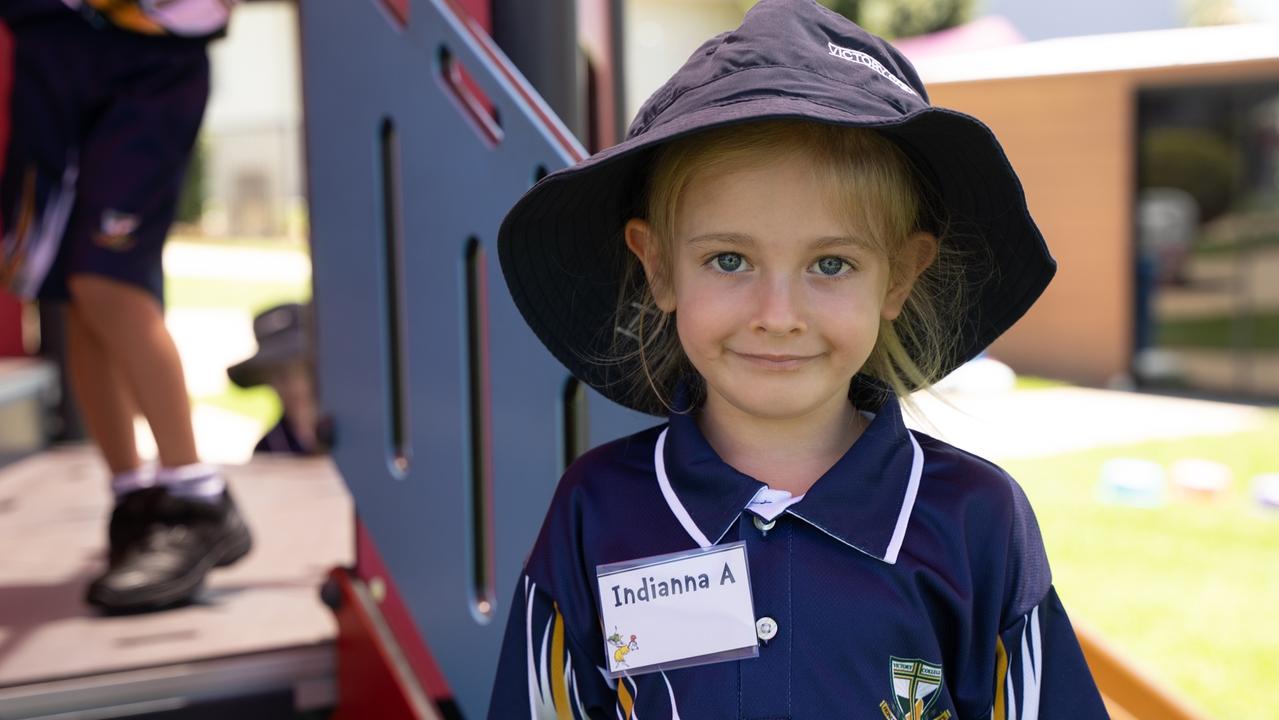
x=774, y=404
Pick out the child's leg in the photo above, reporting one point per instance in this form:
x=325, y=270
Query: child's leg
x=128, y=322
x=102, y=394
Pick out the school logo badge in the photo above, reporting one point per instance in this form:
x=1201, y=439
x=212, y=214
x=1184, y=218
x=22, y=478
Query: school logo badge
x=116, y=230
x=915, y=686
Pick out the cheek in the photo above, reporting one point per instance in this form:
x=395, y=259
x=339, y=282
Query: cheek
x=850, y=319
x=706, y=314
x=699, y=330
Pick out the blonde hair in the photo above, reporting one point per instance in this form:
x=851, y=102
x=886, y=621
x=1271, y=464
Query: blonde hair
x=870, y=180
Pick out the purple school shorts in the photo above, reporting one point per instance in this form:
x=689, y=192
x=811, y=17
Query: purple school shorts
x=102, y=126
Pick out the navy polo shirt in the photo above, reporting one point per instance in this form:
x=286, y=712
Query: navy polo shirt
x=910, y=581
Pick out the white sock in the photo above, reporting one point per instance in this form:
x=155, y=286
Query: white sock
x=198, y=481
x=140, y=477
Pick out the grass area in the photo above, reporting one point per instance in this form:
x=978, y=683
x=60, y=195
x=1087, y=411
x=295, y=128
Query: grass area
x=259, y=403
x=1242, y=244
x=252, y=296
x=1259, y=332
x=194, y=292
x=240, y=241
x=1187, y=590
x=1028, y=382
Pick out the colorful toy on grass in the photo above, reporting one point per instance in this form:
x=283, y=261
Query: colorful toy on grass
x=1132, y=482
x=1201, y=480
x=1265, y=490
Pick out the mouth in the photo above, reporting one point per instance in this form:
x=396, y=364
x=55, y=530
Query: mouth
x=772, y=361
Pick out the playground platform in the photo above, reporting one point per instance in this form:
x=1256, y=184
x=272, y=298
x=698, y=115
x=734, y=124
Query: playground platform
x=259, y=629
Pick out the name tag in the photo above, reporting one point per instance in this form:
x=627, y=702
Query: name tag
x=671, y=611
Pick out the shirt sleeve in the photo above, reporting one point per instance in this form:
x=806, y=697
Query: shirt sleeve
x=542, y=671
x=1040, y=671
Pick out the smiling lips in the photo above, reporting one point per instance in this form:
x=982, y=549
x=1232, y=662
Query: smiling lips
x=769, y=361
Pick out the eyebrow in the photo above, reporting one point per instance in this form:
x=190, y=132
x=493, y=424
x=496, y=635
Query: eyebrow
x=827, y=242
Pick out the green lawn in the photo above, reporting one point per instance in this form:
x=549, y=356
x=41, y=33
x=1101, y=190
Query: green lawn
x=1190, y=591
x=253, y=296
x=1259, y=332
x=260, y=403
x=1029, y=382
x=1245, y=243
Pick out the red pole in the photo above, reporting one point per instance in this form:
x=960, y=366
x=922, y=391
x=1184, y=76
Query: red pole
x=10, y=307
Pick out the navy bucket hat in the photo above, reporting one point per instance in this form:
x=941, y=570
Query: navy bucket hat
x=561, y=245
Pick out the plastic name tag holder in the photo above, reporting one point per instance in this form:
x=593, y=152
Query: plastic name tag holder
x=678, y=610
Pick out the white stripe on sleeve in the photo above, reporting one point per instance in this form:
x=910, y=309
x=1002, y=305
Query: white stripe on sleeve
x=1031, y=673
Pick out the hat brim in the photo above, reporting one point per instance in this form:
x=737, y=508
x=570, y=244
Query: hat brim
x=257, y=370
x=562, y=253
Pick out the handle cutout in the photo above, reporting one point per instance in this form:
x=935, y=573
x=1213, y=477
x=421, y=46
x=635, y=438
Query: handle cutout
x=398, y=10
x=470, y=98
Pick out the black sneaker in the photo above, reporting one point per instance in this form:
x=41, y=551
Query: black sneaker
x=129, y=521
x=166, y=545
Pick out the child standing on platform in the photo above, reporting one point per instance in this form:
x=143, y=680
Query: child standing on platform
x=790, y=240
x=107, y=99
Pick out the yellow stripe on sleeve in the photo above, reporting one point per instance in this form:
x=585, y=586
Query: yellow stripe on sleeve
x=559, y=682
x=1001, y=669
x=624, y=698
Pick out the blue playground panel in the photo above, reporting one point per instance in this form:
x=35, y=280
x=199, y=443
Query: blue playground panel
x=407, y=191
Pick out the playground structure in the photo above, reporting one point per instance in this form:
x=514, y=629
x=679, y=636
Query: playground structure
x=452, y=424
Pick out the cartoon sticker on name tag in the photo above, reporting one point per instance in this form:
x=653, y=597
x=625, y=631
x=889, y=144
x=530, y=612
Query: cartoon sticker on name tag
x=677, y=610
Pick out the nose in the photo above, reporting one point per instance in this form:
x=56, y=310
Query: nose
x=779, y=306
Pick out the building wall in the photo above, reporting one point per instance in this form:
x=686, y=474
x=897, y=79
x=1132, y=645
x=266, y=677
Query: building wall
x=253, y=126
x=1071, y=140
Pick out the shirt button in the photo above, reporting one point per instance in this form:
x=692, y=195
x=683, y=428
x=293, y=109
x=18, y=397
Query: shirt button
x=766, y=628
x=763, y=525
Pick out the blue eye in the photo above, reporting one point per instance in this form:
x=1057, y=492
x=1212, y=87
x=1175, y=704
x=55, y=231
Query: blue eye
x=831, y=266
x=728, y=262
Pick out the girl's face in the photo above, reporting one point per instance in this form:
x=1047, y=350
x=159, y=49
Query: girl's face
x=777, y=302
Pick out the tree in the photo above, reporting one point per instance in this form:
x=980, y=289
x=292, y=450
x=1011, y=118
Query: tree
x=1211, y=12
x=904, y=18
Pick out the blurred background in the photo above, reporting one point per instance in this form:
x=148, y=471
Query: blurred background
x=1137, y=402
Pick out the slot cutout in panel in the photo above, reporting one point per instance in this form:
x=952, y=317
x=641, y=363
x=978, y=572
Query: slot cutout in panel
x=576, y=430
x=397, y=389
x=479, y=435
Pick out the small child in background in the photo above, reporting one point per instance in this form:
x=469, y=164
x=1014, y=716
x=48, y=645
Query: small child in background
x=284, y=361
x=789, y=242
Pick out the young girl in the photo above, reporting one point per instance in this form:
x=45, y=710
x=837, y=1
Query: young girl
x=797, y=240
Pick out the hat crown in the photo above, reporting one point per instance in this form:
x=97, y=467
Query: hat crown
x=278, y=320
x=808, y=51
